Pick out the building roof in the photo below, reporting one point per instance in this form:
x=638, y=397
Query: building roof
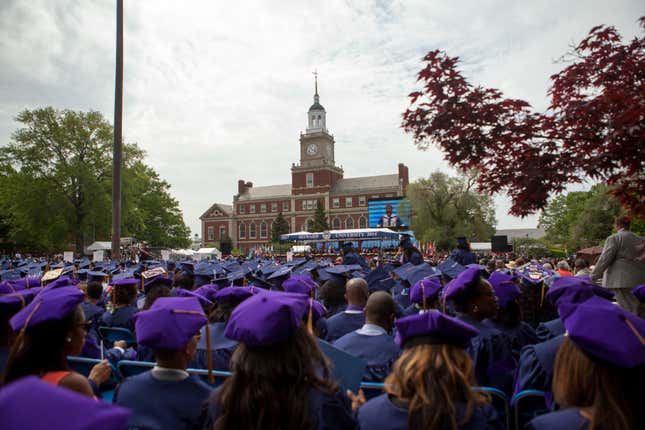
x=268, y=192
x=532, y=233
x=366, y=183
x=316, y=106
x=225, y=209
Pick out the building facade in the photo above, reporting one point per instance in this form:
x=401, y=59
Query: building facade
x=315, y=181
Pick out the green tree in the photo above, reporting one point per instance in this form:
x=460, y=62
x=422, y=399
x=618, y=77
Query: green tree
x=55, y=185
x=444, y=208
x=280, y=226
x=320, y=220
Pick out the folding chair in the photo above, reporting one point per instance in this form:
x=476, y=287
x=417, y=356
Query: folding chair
x=112, y=334
x=500, y=403
x=528, y=404
x=129, y=368
x=84, y=365
x=220, y=376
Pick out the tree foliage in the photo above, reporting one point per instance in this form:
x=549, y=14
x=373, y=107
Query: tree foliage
x=444, y=208
x=580, y=219
x=594, y=127
x=56, y=181
x=320, y=220
x=280, y=226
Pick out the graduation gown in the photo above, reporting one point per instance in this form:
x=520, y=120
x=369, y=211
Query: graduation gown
x=521, y=335
x=564, y=419
x=121, y=317
x=343, y=323
x=549, y=329
x=159, y=404
x=380, y=413
x=463, y=257
x=413, y=309
x=401, y=295
x=222, y=348
x=492, y=354
x=535, y=370
x=379, y=351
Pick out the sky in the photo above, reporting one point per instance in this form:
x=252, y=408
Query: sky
x=216, y=91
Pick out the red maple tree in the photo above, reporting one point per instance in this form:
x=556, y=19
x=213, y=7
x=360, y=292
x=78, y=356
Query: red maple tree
x=594, y=127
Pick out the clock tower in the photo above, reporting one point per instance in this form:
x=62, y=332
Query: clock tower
x=317, y=170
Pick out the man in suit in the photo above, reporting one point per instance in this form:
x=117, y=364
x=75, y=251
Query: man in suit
x=621, y=266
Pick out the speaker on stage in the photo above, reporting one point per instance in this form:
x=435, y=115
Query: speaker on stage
x=500, y=244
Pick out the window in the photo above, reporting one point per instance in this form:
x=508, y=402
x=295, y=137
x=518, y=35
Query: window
x=251, y=209
x=285, y=206
x=348, y=202
x=242, y=231
x=274, y=207
x=252, y=232
x=242, y=209
x=349, y=223
x=336, y=203
x=263, y=230
x=222, y=233
x=362, y=222
x=361, y=201
x=336, y=224
x=211, y=233
x=310, y=180
x=263, y=207
x=375, y=196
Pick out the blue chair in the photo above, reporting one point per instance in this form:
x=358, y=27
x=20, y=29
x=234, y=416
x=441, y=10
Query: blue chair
x=500, y=403
x=130, y=368
x=84, y=365
x=528, y=404
x=112, y=334
x=372, y=389
x=220, y=376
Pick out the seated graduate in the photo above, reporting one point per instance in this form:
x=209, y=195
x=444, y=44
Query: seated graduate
x=535, y=369
x=509, y=316
x=549, y=329
x=332, y=295
x=166, y=397
x=314, y=317
x=350, y=256
x=353, y=317
x=474, y=301
x=599, y=369
x=431, y=384
x=124, y=294
x=424, y=295
x=93, y=295
x=373, y=342
x=10, y=303
x=30, y=403
x=409, y=253
x=50, y=328
x=281, y=378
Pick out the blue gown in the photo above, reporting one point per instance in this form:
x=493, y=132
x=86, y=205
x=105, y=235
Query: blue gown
x=353, y=258
x=121, y=317
x=492, y=356
x=413, y=309
x=326, y=411
x=535, y=370
x=463, y=257
x=564, y=419
x=379, y=351
x=4, y=355
x=521, y=335
x=549, y=329
x=401, y=294
x=415, y=258
x=222, y=348
x=158, y=404
x=341, y=324
x=380, y=413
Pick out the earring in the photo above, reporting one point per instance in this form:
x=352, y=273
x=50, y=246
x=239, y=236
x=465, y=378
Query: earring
x=475, y=309
x=68, y=339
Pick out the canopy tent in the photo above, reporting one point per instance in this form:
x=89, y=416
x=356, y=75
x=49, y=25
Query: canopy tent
x=99, y=246
x=206, y=252
x=341, y=235
x=182, y=252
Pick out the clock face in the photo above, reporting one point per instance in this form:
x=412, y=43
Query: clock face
x=312, y=149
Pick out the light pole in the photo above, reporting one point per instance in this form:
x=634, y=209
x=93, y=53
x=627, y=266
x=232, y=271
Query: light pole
x=117, y=150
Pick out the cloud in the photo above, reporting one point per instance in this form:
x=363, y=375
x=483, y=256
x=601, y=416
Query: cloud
x=216, y=91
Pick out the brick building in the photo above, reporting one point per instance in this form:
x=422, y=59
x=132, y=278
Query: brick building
x=315, y=181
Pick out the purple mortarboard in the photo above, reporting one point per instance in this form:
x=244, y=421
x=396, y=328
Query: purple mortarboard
x=605, y=331
x=170, y=323
x=26, y=282
x=505, y=288
x=299, y=284
x=180, y=292
x=209, y=291
x=157, y=280
x=450, y=268
x=235, y=294
x=7, y=287
x=50, y=304
x=58, y=408
x=462, y=283
x=266, y=318
x=433, y=327
x=317, y=311
x=64, y=281
x=574, y=289
x=125, y=281
x=426, y=287
x=12, y=302
x=639, y=293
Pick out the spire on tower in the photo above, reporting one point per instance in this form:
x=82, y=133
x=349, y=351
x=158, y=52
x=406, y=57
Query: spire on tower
x=315, y=73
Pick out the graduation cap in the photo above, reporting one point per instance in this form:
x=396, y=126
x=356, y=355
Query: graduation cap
x=347, y=369
x=128, y=273
x=450, y=268
x=299, y=284
x=235, y=276
x=50, y=304
x=187, y=268
x=280, y=272
x=575, y=289
x=424, y=290
x=639, y=293
x=12, y=302
x=268, y=269
x=203, y=300
x=418, y=272
x=505, y=288
x=63, y=281
x=433, y=327
x=235, y=294
x=383, y=285
x=26, y=282
x=343, y=269
x=401, y=270
x=97, y=276
x=7, y=275
x=81, y=274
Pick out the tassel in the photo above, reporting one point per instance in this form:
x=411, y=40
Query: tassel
x=636, y=333
x=310, y=318
x=209, y=355
x=423, y=293
x=542, y=295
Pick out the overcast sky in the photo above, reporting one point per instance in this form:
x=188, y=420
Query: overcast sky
x=217, y=91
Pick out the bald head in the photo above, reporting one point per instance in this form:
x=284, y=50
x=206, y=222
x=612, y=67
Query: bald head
x=356, y=292
x=380, y=310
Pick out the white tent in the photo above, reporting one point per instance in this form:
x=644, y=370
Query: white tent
x=480, y=246
x=206, y=252
x=99, y=246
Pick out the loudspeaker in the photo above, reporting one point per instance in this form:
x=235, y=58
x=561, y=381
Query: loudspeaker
x=499, y=244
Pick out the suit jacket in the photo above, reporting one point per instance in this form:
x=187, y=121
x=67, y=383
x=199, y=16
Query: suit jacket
x=620, y=265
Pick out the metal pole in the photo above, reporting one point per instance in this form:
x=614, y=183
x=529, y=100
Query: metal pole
x=117, y=153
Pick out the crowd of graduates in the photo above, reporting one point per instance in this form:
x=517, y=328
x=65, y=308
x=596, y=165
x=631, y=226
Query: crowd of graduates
x=440, y=338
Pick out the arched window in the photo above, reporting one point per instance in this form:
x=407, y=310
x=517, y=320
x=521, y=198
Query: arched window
x=242, y=231
x=263, y=230
x=252, y=232
x=336, y=223
x=349, y=222
x=362, y=222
